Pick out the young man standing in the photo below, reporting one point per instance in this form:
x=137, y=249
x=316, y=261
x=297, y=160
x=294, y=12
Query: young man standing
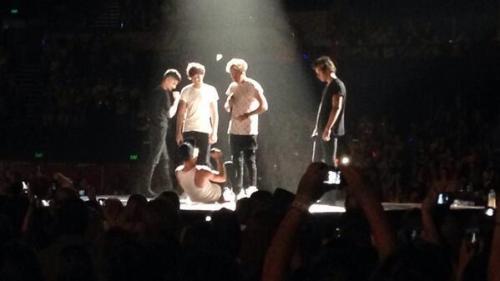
x=160, y=109
x=197, y=116
x=245, y=101
x=330, y=117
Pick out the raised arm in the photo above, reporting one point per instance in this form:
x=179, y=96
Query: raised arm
x=220, y=176
x=430, y=232
x=282, y=246
x=205, y=175
x=383, y=235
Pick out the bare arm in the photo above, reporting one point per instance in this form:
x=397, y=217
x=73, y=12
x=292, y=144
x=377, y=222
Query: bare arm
x=282, y=246
x=173, y=108
x=465, y=255
x=228, y=104
x=214, y=119
x=202, y=176
x=263, y=106
x=384, y=239
x=181, y=117
x=219, y=177
x=430, y=232
x=28, y=216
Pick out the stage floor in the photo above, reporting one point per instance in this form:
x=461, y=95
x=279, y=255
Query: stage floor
x=188, y=205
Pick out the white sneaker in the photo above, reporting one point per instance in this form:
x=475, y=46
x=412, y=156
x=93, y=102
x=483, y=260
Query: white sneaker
x=183, y=197
x=228, y=195
x=241, y=194
x=250, y=190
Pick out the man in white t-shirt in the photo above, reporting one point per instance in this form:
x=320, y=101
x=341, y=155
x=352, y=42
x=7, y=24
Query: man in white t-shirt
x=197, y=114
x=245, y=101
x=199, y=182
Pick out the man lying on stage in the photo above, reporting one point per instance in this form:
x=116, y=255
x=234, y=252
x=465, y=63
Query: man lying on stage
x=199, y=182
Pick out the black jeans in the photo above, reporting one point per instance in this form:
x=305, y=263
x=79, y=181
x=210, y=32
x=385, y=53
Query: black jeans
x=157, y=158
x=325, y=151
x=199, y=140
x=243, y=148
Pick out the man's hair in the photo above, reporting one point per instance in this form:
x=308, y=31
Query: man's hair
x=194, y=68
x=239, y=64
x=325, y=63
x=186, y=151
x=172, y=73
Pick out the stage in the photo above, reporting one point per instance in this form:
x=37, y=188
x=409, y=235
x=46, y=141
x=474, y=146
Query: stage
x=318, y=208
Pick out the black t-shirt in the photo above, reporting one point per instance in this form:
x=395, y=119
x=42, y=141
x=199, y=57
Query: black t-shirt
x=158, y=105
x=336, y=87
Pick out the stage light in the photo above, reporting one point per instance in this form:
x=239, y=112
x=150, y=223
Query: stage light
x=323, y=208
x=489, y=212
x=345, y=160
x=218, y=57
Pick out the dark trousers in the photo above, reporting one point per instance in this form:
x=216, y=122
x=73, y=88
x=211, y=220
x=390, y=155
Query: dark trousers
x=199, y=140
x=157, y=159
x=325, y=151
x=243, y=148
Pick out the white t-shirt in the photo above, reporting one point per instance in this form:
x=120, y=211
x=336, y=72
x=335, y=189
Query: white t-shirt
x=206, y=194
x=244, y=100
x=198, y=107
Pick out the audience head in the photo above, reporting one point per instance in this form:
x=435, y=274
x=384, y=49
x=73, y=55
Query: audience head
x=172, y=197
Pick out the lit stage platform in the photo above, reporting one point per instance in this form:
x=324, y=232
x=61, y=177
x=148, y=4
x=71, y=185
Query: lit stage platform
x=188, y=205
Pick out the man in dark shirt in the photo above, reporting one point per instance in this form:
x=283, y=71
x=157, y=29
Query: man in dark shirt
x=330, y=117
x=162, y=105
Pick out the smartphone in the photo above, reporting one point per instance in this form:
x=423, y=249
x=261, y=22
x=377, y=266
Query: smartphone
x=490, y=212
x=443, y=199
x=332, y=177
x=102, y=201
x=25, y=187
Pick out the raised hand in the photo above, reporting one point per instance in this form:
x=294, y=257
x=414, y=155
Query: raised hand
x=216, y=153
x=311, y=186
